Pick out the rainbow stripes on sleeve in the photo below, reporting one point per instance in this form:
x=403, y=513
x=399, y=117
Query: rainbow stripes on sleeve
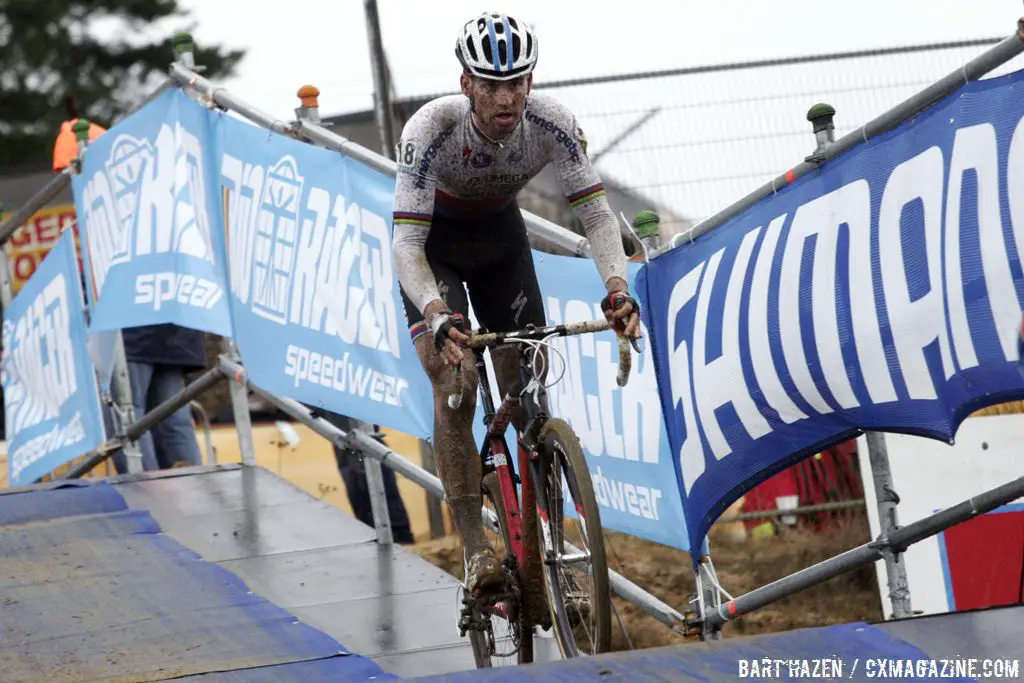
x=417, y=330
x=586, y=194
x=421, y=220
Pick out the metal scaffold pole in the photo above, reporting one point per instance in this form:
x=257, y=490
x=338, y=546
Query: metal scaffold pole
x=821, y=117
x=556, y=235
x=381, y=86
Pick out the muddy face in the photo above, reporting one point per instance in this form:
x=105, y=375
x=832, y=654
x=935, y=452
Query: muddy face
x=498, y=106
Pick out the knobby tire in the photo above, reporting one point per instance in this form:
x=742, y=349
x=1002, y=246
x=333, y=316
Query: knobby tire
x=556, y=434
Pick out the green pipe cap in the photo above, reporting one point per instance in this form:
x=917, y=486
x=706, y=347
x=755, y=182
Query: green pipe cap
x=820, y=115
x=646, y=224
x=182, y=42
x=81, y=128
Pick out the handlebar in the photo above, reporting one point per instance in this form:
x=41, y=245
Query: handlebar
x=489, y=339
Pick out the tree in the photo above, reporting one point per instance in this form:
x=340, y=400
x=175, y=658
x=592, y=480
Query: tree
x=92, y=58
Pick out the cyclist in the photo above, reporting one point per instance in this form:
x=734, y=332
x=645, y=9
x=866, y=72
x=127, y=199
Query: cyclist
x=462, y=160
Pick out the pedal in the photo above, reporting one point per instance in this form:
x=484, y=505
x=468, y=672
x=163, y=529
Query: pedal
x=471, y=618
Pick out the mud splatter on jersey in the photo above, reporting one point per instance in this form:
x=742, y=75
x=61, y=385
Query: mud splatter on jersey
x=447, y=167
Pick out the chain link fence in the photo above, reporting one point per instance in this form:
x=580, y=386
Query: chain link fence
x=689, y=142
x=695, y=142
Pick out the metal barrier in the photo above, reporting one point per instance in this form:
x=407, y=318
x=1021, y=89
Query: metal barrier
x=896, y=541
x=211, y=453
x=856, y=503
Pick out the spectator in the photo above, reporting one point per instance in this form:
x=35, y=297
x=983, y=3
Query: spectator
x=159, y=357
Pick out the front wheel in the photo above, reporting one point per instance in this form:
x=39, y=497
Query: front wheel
x=572, y=545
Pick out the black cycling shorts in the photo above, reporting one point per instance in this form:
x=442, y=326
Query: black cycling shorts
x=492, y=257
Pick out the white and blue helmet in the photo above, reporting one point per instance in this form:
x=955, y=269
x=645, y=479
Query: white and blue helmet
x=497, y=46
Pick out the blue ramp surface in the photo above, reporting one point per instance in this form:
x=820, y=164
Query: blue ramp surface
x=310, y=558
x=91, y=590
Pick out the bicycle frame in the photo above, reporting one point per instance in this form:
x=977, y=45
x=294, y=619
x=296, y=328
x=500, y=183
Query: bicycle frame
x=494, y=452
x=495, y=456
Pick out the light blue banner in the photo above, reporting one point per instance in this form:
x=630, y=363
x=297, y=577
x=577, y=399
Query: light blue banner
x=146, y=202
x=314, y=297
x=881, y=292
x=620, y=428
x=51, y=406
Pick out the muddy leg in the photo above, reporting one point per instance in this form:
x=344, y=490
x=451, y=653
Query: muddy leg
x=455, y=451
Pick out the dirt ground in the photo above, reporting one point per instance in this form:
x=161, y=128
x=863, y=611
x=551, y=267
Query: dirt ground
x=741, y=566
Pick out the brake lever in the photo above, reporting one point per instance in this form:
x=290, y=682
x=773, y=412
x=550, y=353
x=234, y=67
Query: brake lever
x=455, y=393
x=625, y=363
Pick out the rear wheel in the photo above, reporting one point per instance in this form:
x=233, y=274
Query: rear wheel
x=505, y=641
x=572, y=546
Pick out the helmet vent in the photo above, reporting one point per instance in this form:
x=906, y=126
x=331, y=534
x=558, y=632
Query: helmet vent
x=496, y=46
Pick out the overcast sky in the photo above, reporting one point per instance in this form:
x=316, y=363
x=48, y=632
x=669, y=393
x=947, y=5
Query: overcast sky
x=324, y=43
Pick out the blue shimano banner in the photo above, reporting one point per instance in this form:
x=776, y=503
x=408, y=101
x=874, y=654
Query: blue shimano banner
x=145, y=201
x=621, y=429
x=314, y=298
x=51, y=406
x=881, y=292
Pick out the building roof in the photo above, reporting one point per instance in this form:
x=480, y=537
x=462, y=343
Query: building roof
x=18, y=184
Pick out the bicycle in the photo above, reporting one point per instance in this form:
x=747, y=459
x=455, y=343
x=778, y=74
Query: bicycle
x=548, y=450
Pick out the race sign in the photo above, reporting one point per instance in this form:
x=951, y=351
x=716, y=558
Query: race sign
x=314, y=296
x=146, y=204
x=881, y=292
x=31, y=242
x=51, y=405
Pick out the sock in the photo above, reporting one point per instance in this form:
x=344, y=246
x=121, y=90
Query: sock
x=466, y=511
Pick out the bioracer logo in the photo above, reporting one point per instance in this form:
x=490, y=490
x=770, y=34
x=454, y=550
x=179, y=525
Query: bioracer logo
x=150, y=198
x=329, y=271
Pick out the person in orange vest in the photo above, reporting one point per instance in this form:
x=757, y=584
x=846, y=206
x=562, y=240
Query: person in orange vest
x=65, y=149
